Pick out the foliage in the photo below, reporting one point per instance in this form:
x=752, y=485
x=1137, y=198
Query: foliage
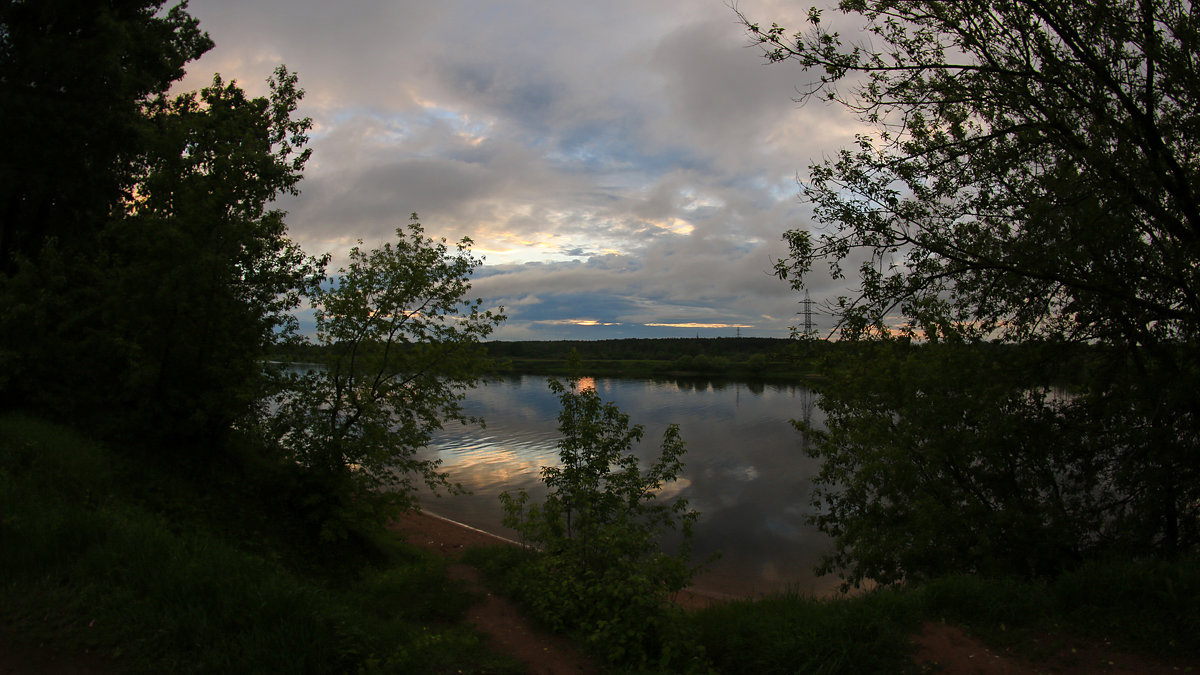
x=659, y=349
x=142, y=301
x=601, y=570
x=794, y=633
x=1146, y=607
x=402, y=345
x=1033, y=168
x=73, y=77
x=210, y=267
x=960, y=457
x=925, y=473
x=752, y=359
x=89, y=567
x=150, y=289
x=1031, y=175
x=757, y=363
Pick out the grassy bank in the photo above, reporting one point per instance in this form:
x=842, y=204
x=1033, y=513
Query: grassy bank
x=129, y=565
x=1149, y=609
x=141, y=569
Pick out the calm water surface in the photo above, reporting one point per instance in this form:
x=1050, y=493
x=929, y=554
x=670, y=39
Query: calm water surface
x=746, y=472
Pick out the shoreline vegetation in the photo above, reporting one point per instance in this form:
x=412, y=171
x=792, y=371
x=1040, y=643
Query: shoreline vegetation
x=745, y=359
x=128, y=564
x=753, y=359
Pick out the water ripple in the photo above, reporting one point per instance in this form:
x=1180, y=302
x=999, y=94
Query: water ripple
x=745, y=468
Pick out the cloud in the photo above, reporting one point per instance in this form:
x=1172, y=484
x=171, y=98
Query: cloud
x=629, y=164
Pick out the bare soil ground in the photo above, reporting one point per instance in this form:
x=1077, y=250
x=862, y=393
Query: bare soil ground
x=943, y=648
x=496, y=617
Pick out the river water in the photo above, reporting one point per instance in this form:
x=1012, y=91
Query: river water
x=746, y=471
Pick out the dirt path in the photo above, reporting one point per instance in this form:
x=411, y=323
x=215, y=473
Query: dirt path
x=948, y=649
x=510, y=632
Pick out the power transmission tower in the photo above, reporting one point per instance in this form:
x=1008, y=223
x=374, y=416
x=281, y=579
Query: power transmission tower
x=808, y=324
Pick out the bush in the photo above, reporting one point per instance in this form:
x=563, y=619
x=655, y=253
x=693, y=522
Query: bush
x=601, y=571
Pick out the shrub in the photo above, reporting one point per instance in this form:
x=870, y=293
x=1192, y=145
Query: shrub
x=600, y=530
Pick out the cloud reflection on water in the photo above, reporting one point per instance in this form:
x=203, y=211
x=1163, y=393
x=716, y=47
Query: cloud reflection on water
x=745, y=469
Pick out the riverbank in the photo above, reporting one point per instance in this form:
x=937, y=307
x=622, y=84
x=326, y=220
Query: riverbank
x=936, y=646
x=110, y=565
x=450, y=538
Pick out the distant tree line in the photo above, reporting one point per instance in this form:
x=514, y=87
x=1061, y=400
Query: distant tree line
x=633, y=357
x=662, y=349
x=1067, y=365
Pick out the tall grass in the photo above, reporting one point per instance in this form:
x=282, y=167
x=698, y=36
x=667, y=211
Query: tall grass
x=1151, y=607
x=794, y=633
x=86, y=565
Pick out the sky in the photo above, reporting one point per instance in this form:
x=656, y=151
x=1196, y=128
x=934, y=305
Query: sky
x=625, y=168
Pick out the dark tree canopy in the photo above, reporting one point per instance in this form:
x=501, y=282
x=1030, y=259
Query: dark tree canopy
x=200, y=276
x=1029, y=171
x=143, y=271
x=1034, y=169
x=73, y=77
x=147, y=274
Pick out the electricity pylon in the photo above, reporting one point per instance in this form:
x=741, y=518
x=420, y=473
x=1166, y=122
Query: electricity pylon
x=808, y=324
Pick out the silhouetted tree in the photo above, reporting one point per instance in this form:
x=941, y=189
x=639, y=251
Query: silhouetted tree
x=402, y=341
x=1032, y=173
x=143, y=270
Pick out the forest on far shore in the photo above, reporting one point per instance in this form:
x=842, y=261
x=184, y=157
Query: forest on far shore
x=750, y=358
